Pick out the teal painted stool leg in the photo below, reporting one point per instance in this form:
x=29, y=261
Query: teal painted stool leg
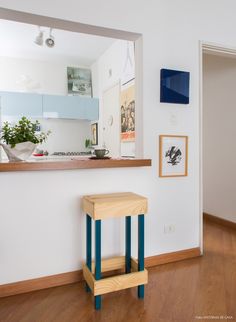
x=141, y=251
x=98, y=260
x=88, y=245
x=127, y=244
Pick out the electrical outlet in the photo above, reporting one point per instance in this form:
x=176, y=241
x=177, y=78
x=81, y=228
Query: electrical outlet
x=169, y=229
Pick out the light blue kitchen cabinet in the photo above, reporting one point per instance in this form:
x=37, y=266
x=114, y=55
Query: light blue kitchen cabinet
x=70, y=107
x=56, y=106
x=21, y=104
x=15, y=104
x=91, y=108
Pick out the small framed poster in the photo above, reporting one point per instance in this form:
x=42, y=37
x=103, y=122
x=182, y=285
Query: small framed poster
x=173, y=156
x=127, y=101
x=94, y=131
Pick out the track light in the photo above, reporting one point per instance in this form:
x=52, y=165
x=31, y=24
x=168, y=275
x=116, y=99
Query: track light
x=50, y=41
x=39, y=39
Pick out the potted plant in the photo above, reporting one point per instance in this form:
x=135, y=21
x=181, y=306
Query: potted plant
x=21, y=139
x=88, y=143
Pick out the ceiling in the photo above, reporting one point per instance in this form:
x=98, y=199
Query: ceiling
x=17, y=40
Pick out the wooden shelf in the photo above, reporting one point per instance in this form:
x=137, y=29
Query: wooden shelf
x=73, y=164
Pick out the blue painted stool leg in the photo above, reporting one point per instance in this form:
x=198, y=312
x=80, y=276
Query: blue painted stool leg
x=141, y=251
x=127, y=244
x=88, y=245
x=97, y=260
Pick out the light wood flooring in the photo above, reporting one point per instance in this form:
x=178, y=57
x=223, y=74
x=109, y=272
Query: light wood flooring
x=200, y=289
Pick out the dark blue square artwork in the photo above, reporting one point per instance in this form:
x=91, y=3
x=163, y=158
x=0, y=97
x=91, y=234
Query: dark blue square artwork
x=174, y=86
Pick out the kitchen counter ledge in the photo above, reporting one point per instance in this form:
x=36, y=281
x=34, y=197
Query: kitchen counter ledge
x=82, y=163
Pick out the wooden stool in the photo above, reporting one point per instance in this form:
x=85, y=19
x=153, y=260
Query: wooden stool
x=104, y=206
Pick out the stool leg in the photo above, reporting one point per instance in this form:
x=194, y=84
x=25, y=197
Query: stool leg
x=97, y=260
x=88, y=245
x=127, y=244
x=141, y=251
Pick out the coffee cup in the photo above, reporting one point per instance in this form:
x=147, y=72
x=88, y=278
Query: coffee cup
x=100, y=153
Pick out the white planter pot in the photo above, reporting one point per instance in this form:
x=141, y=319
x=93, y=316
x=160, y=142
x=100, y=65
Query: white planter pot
x=21, y=152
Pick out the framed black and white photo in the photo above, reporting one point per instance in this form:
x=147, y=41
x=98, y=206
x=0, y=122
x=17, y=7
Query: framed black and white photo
x=94, y=132
x=173, y=156
x=79, y=81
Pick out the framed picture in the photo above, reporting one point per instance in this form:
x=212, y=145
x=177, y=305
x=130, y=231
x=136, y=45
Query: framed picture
x=79, y=81
x=173, y=156
x=94, y=130
x=127, y=107
x=174, y=86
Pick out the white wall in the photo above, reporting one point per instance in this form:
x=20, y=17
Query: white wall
x=50, y=76
x=66, y=135
x=171, y=33
x=219, y=132
x=113, y=60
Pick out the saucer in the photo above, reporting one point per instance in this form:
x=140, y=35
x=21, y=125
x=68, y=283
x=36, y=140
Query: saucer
x=96, y=158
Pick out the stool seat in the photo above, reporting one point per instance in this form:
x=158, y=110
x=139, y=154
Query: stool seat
x=114, y=205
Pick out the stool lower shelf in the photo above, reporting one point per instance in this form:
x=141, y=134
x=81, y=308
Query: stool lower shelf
x=118, y=282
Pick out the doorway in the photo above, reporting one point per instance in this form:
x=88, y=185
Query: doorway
x=218, y=131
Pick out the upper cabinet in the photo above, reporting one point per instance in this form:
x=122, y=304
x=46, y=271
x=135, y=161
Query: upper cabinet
x=21, y=104
x=70, y=107
x=91, y=106
x=49, y=106
x=55, y=106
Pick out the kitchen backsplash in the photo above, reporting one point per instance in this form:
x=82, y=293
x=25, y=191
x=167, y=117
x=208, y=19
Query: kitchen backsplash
x=67, y=135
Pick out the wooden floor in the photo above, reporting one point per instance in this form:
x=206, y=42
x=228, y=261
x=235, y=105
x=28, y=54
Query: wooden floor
x=200, y=289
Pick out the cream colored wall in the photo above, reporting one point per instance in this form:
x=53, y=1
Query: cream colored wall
x=219, y=133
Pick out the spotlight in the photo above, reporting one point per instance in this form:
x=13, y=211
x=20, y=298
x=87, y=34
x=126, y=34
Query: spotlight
x=39, y=39
x=50, y=41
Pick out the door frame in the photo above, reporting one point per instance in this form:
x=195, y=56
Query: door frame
x=223, y=51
